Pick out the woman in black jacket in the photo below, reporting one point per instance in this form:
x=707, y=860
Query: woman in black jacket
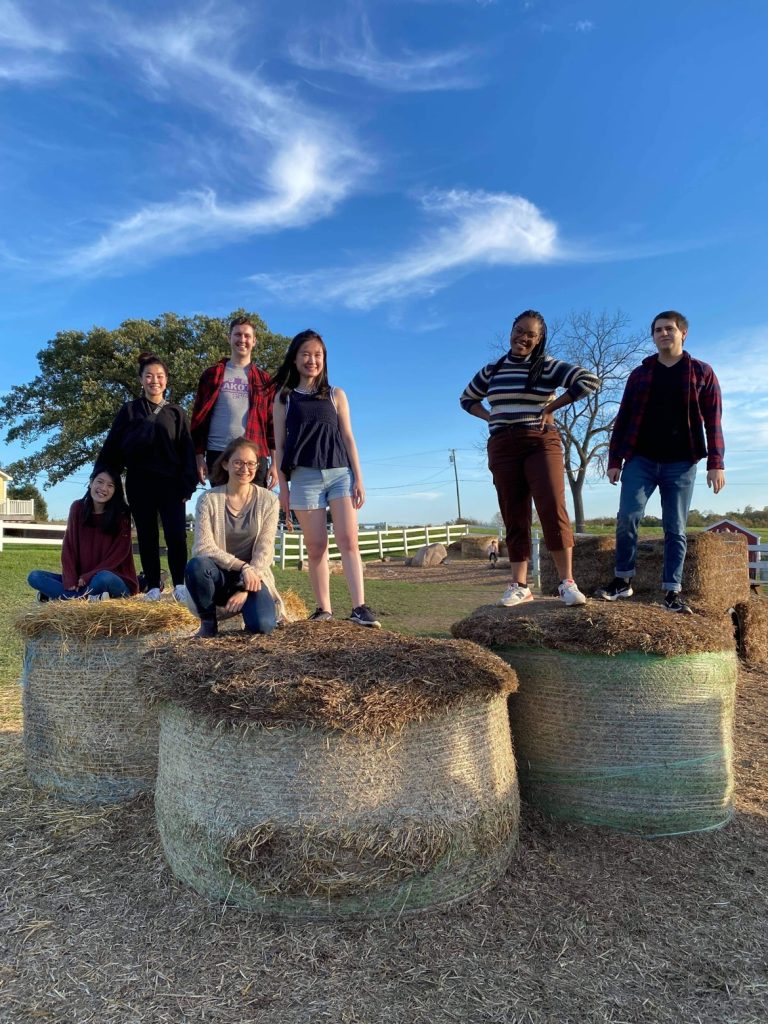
x=150, y=440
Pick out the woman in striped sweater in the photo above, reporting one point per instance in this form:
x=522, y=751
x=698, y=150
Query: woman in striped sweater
x=525, y=453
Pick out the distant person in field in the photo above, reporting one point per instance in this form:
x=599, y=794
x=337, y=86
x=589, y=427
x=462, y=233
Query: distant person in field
x=493, y=553
x=97, y=553
x=150, y=440
x=231, y=564
x=234, y=399
x=669, y=419
x=525, y=452
x=316, y=452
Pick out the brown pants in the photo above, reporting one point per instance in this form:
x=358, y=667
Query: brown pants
x=528, y=463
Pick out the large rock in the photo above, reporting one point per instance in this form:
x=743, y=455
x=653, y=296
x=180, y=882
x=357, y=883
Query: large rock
x=429, y=555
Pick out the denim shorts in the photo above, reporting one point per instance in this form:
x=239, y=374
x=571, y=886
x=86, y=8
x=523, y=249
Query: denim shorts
x=314, y=488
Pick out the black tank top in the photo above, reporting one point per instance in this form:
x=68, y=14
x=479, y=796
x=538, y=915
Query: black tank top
x=312, y=436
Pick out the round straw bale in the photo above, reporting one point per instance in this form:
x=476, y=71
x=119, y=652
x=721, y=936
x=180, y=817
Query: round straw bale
x=89, y=734
x=331, y=773
x=715, y=574
x=477, y=546
x=752, y=619
x=618, y=721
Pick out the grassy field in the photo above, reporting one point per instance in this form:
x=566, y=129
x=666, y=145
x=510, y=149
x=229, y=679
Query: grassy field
x=586, y=927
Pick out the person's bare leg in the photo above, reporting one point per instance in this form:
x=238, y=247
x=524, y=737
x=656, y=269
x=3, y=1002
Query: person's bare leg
x=313, y=525
x=518, y=573
x=344, y=519
x=563, y=563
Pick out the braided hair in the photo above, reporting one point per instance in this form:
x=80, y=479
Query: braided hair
x=539, y=353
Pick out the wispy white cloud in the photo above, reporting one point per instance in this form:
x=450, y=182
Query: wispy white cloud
x=475, y=229
x=301, y=163
x=351, y=49
x=28, y=53
x=584, y=26
x=743, y=384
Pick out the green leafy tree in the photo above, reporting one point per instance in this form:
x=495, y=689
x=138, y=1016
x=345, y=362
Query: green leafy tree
x=28, y=492
x=85, y=377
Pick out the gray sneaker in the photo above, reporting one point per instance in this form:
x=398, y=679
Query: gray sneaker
x=363, y=616
x=319, y=615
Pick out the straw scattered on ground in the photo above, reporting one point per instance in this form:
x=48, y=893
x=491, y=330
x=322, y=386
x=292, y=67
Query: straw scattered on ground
x=596, y=628
x=587, y=927
x=331, y=674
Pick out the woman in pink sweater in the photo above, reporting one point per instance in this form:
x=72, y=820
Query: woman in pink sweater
x=97, y=554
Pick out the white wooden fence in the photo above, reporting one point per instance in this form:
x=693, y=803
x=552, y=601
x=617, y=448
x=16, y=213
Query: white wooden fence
x=289, y=545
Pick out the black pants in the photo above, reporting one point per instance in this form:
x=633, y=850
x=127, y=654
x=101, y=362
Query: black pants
x=261, y=472
x=150, y=497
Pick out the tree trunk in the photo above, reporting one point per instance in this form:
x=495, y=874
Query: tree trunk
x=577, y=485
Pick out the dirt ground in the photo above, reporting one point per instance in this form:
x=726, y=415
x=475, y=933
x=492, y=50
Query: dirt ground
x=587, y=925
x=468, y=572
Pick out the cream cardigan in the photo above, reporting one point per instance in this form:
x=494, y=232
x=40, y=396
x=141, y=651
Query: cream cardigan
x=210, y=536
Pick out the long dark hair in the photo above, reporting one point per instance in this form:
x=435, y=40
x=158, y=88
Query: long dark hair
x=115, y=510
x=539, y=353
x=219, y=475
x=287, y=377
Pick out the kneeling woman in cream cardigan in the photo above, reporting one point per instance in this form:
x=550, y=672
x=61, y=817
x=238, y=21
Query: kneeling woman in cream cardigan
x=235, y=527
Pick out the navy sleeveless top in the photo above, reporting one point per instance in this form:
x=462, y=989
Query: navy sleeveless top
x=312, y=436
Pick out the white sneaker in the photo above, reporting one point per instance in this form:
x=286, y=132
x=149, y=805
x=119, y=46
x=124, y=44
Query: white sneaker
x=515, y=594
x=570, y=593
x=180, y=593
x=153, y=594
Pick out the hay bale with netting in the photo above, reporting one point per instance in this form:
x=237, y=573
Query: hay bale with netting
x=334, y=772
x=476, y=545
x=624, y=713
x=752, y=625
x=89, y=734
x=715, y=576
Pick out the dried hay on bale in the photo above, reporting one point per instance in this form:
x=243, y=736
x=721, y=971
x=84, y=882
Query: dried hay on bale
x=89, y=735
x=596, y=628
x=624, y=714
x=752, y=624
x=295, y=608
x=477, y=546
x=334, y=772
x=338, y=677
x=715, y=574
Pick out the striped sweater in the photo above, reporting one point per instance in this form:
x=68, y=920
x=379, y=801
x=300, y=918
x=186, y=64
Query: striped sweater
x=504, y=385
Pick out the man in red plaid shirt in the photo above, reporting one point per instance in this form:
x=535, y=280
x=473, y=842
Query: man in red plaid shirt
x=669, y=418
x=234, y=399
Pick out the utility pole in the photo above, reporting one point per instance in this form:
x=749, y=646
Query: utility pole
x=452, y=459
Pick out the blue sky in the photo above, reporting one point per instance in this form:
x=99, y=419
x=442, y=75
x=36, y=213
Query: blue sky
x=403, y=176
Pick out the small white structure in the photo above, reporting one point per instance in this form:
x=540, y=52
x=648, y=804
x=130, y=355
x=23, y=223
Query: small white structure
x=14, y=509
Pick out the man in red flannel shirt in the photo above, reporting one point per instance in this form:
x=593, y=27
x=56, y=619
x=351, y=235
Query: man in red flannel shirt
x=669, y=418
x=234, y=399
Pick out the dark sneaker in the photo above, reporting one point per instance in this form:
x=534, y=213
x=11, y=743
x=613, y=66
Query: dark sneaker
x=318, y=615
x=618, y=587
x=674, y=602
x=41, y=598
x=209, y=628
x=363, y=616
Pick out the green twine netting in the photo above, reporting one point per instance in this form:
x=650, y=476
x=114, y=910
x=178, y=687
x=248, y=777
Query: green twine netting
x=635, y=742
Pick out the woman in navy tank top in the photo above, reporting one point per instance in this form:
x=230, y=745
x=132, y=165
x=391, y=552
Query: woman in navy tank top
x=316, y=451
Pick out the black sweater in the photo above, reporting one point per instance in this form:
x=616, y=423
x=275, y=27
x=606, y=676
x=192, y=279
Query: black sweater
x=146, y=444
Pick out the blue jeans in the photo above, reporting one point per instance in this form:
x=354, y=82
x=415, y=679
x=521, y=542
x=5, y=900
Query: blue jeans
x=51, y=585
x=639, y=479
x=209, y=587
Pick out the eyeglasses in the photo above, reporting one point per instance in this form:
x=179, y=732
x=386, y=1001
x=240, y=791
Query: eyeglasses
x=250, y=466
